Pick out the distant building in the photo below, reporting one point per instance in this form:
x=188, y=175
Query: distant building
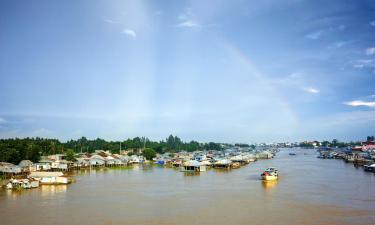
x=368, y=145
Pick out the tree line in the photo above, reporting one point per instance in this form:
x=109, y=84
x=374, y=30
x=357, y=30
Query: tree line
x=333, y=144
x=16, y=149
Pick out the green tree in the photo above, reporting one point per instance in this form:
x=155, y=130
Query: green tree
x=326, y=144
x=70, y=155
x=131, y=153
x=149, y=153
x=335, y=142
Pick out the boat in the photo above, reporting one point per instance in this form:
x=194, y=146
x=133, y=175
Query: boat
x=292, y=153
x=160, y=162
x=270, y=174
x=369, y=168
x=50, y=177
x=22, y=183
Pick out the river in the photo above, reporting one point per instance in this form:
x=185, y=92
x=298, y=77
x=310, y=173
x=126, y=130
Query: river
x=309, y=191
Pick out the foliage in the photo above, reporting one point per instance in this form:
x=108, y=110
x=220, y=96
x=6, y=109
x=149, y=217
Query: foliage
x=70, y=155
x=149, y=153
x=15, y=150
x=306, y=145
x=242, y=145
x=333, y=144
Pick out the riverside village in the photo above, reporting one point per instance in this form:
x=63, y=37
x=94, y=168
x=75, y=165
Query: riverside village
x=59, y=169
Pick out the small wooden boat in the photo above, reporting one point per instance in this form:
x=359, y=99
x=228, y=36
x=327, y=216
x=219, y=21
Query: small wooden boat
x=270, y=174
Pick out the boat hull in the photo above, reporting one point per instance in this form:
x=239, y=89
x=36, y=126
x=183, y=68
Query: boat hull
x=267, y=177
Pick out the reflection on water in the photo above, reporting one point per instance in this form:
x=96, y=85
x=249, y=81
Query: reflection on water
x=191, y=173
x=269, y=184
x=43, y=191
x=13, y=194
x=329, y=192
x=51, y=190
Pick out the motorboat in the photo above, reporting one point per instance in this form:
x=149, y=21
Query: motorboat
x=270, y=173
x=369, y=168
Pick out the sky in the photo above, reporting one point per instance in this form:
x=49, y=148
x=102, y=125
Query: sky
x=214, y=70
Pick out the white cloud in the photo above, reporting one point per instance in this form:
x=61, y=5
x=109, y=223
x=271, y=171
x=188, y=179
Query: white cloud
x=315, y=35
x=360, y=103
x=370, y=51
x=362, y=63
x=358, y=65
x=187, y=19
x=372, y=23
x=189, y=23
x=130, y=33
x=312, y=90
x=110, y=21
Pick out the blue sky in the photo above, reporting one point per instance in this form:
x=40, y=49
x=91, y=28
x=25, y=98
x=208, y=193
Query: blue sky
x=238, y=71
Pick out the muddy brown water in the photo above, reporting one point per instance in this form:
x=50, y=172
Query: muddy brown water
x=309, y=191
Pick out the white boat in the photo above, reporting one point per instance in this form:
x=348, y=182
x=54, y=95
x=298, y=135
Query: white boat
x=270, y=174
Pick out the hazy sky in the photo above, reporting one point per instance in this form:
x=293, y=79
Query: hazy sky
x=229, y=71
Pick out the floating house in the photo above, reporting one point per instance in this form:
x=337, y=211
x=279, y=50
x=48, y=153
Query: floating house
x=118, y=160
x=25, y=165
x=134, y=159
x=264, y=155
x=50, y=177
x=222, y=163
x=9, y=168
x=40, y=166
x=193, y=166
x=60, y=164
x=97, y=160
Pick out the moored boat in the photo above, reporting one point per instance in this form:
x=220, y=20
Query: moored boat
x=270, y=174
x=369, y=168
x=50, y=177
x=22, y=183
